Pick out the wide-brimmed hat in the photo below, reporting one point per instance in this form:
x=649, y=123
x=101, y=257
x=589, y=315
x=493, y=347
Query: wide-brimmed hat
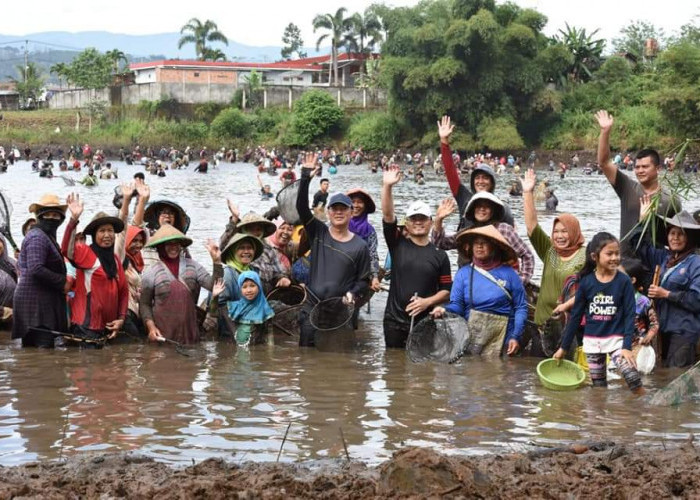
x=370, y=207
x=498, y=208
x=687, y=223
x=252, y=218
x=101, y=219
x=48, y=200
x=150, y=215
x=167, y=233
x=490, y=232
x=238, y=238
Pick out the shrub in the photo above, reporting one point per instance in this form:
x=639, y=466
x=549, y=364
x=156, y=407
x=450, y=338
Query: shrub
x=231, y=123
x=315, y=115
x=374, y=131
x=500, y=134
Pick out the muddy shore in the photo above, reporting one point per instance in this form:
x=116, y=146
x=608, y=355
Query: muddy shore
x=600, y=470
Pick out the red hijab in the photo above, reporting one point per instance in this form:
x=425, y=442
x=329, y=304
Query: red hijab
x=576, y=240
x=135, y=259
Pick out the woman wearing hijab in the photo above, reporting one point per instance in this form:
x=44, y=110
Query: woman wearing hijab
x=488, y=293
x=8, y=281
x=362, y=206
x=40, y=296
x=128, y=249
x=562, y=253
x=98, y=309
x=677, y=294
x=170, y=288
x=237, y=257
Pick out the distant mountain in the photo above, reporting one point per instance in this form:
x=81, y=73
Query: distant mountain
x=141, y=46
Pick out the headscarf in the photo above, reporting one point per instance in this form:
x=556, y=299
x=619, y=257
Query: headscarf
x=252, y=312
x=360, y=226
x=233, y=261
x=135, y=259
x=49, y=226
x=491, y=263
x=106, y=256
x=576, y=240
x=173, y=265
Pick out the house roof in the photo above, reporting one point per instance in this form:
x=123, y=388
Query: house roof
x=306, y=64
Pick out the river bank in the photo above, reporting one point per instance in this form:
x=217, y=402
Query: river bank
x=578, y=471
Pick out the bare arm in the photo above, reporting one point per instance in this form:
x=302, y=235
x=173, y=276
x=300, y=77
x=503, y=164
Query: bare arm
x=144, y=195
x=529, y=201
x=391, y=177
x=605, y=121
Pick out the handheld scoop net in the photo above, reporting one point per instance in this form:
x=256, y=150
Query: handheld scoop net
x=287, y=203
x=286, y=302
x=444, y=339
x=5, y=214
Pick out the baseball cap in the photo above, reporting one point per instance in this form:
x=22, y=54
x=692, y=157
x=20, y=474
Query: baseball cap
x=340, y=198
x=418, y=208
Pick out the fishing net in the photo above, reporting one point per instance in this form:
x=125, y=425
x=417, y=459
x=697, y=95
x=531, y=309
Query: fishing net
x=331, y=314
x=286, y=302
x=681, y=389
x=443, y=339
x=287, y=203
x=5, y=212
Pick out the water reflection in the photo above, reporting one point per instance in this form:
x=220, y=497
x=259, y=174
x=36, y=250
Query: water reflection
x=237, y=404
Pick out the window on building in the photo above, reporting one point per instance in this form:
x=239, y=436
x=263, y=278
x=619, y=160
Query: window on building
x=196, y=74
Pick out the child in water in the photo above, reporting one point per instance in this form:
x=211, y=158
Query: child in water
x=646, y=324
x=251, y=311
x=606, y=297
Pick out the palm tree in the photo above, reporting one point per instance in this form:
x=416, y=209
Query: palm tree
x=199, y=34
x=116, y=56
x=61, y=70
x=587, y=52
x=365, y=34
x=31, y=82
x=338, y=27
x=213, y=55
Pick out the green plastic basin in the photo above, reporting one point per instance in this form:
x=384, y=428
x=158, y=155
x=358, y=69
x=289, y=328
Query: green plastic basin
x=567, y=376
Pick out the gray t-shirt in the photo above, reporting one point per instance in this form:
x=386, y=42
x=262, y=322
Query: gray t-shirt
x=629, y=191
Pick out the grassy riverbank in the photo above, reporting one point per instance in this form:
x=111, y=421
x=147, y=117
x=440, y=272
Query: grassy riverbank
x=576, y=472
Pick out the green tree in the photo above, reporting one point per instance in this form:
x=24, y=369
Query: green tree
x=200, y=34
x=633, y=38
x=29, y=83
x=587, y=52
x=293, y=44
x=61, y=70
x=338, y=26
x=231, y=123
x=213, y=55
x=91, y=70
x=253, y=88
x=364, y=35
x=315, y=115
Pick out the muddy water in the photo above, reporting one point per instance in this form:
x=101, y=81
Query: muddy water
x=238, y=404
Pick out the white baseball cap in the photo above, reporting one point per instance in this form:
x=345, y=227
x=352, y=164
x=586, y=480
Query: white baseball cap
x=418, y=208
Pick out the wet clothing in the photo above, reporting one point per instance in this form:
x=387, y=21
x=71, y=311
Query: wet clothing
x=473, y=290
x=679, y=314
x=39, y=300
x=609, y=309
x=8, y=276
x=320, y=198
x=598, y=369
x=526, y=259
x=554, y=274
x=98, y=299
x=424, y=270
x=462, y=194
x=171, y=301
x=629, y=191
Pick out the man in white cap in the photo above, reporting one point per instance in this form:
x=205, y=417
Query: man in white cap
x=420, y=272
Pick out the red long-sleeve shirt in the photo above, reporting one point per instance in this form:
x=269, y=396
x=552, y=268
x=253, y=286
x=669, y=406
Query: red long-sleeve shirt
x=98, y=300
x=451, y=171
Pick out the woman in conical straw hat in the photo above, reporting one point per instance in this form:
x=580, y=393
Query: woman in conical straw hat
x=170, y=287
x=488, y=293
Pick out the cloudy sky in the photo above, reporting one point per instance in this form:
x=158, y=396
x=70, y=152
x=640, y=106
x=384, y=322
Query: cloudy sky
x=262, y=22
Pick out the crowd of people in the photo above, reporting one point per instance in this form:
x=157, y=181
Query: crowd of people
x=131, y=276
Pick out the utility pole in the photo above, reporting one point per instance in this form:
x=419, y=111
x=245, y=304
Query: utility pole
x=26, y=60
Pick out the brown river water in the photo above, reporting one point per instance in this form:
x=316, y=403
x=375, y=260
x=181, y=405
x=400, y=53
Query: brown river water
x=238, y=404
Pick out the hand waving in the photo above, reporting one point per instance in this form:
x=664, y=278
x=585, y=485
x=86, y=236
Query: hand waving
x=214, y=251
x=529, y=181
x=392, y=175
x=446, y=207
x=75, y=205
x=605, y=119
x=445, y=128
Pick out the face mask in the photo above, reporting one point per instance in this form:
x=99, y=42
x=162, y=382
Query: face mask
x=49, y=226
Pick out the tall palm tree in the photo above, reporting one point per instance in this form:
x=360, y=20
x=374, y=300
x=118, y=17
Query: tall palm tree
x=61, y=70
x=213, y=55
x=365, y=34
x=586, y=50
x=116, y=56
x=338, y=27
x=199, y=34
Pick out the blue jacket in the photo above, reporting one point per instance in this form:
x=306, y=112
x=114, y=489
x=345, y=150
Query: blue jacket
x=488, y=297
x=680, y=312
